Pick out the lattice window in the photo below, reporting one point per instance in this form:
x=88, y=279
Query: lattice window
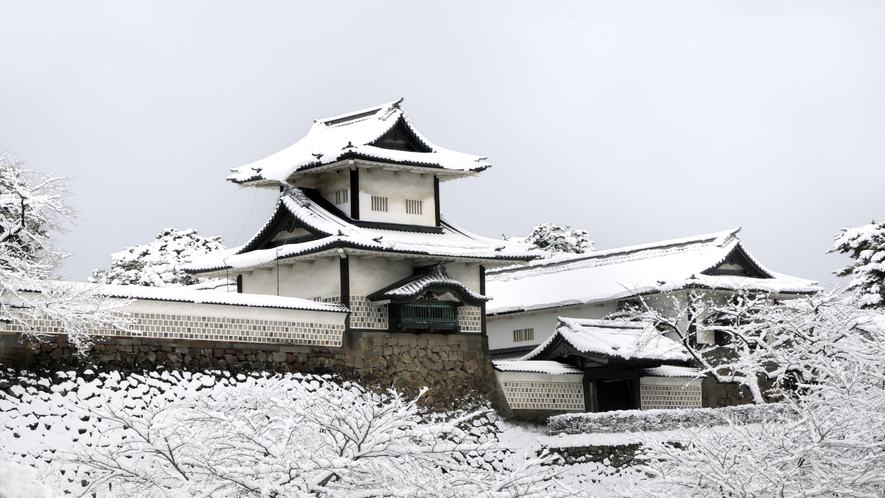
x=521, y=335
x=413, y=206
x=341, y=196
x=379, y=203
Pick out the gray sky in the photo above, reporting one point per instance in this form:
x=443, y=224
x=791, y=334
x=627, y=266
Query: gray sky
x=638, y=121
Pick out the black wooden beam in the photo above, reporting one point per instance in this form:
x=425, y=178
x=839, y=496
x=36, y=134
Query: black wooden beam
x=436, y=198
x=355, y=193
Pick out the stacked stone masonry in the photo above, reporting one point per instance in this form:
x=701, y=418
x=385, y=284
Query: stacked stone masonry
x=455, y=368
x=558, y=396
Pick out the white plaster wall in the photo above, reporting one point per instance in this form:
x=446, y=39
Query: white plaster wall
x=370, y=275
x=308, y=280
x=397, y=187
x=500, y=328
x=332, y=182
x=327, y=183
x=467, y=274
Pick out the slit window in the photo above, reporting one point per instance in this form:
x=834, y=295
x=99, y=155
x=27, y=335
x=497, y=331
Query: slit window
x=341, y=196
x=379, y=203
x=521, y=335
x=413, y=206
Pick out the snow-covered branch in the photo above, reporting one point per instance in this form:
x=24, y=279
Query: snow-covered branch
x=33, y=206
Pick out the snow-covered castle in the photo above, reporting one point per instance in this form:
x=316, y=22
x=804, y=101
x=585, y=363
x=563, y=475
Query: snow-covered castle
x=356, y=273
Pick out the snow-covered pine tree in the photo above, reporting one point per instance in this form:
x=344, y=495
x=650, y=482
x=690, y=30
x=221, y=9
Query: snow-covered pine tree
x=555, y=238
x=32, y=206
x=866, y=246
x=158, y=263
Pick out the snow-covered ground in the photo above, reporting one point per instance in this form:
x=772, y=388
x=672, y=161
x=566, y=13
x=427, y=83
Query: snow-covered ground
x=45, y=425
x=19, y=481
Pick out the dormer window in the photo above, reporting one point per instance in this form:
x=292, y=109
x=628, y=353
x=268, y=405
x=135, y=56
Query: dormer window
x=341, y=196
x=738, y=264
x=400, y=137
x=379, y=203
x=428, y=301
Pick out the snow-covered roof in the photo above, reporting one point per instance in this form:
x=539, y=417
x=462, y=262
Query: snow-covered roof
x=538, y=366
x=359, y=135
x=707, y=261
x=335, y=233
x=423, y=279
x=610, y=340
x=671, y=371
x=184, y=294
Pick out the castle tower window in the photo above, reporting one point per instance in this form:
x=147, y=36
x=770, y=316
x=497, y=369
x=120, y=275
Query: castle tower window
x=341, y=196
x=521, y=335
x=413, y=206
x=379, y=203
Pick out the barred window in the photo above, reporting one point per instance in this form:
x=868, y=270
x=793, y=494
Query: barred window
x=413, y=206
x=379, y=203
x=521, y=335
x=341, y=196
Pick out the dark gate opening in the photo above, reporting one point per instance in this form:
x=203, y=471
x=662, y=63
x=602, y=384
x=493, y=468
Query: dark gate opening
x=614, y=395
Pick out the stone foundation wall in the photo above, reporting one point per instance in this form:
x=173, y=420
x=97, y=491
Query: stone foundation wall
x=455, y=368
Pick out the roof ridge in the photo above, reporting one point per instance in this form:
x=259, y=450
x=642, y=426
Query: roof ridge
x=720, y=238
x=351, y=116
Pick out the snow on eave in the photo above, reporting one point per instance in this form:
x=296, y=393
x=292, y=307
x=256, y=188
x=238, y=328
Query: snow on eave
x=548, y=367
x=633, y=348
x=416, y=284
x=564, y=260
x=786, y=286
x=352, y=135
x=454, y=243
x=672, y=371
x=181, y=294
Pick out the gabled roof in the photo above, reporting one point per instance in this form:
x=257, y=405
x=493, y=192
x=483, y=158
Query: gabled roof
x=711, y=261
x=335, y=233
x=425, y=279
x=609, y=341
x=381, y=134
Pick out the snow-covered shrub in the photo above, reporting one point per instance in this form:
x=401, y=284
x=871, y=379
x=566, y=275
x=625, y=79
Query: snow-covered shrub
x=215, y=435
x=866, y=246
x=555, y=238
x=663, y=420
x=33, y=205
x=158, y=263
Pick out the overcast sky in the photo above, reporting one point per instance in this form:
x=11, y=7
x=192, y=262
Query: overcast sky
x=639, y=121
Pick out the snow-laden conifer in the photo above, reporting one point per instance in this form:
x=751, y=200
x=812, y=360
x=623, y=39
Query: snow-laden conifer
x=866, y=246
x=557, y=239
x=158, y=263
